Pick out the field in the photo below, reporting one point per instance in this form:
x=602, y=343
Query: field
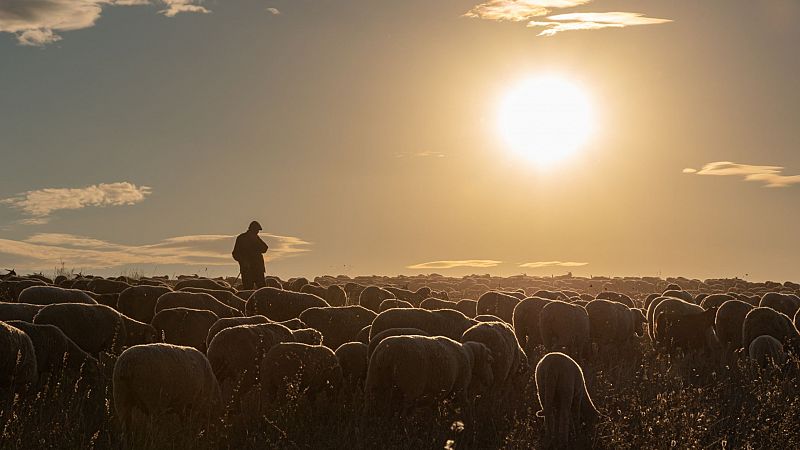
x=648, y=398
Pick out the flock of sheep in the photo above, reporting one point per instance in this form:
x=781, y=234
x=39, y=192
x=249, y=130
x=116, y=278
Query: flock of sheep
x=198, y=346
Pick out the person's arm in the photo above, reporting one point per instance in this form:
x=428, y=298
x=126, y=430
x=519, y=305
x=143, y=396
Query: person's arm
x=262, y=246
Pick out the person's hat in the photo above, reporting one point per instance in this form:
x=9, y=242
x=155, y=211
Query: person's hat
x=255, y=226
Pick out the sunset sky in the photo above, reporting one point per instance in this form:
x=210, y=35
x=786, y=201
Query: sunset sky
x=367, y=136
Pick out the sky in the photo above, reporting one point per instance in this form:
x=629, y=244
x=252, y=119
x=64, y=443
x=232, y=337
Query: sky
x=141, y=136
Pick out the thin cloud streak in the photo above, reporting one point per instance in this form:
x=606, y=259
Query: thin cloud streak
x=46, y=250
x=518, y=10
x=593, y=21
x=41, y=203
x=532, y=10
x=37, y=23
x=451, y=264
x=771, y=176
x=542, y=264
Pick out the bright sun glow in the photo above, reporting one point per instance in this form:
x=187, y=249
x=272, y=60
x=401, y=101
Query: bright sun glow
x=546, y=119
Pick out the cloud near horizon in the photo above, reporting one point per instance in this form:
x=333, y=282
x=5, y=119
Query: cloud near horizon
x=532, y=10
x=452, y=264
x=40, y=204
x=542, y=264
x=45, y=251
x=37, y=23
x=771, y=176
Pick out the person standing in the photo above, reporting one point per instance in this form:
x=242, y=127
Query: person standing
x=249, y=251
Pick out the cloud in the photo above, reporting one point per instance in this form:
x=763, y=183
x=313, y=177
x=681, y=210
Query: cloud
x=771, y=176
x=532, y=10
x=274, y=11
x=426, y=154
x=518, y=10
x=541, y=264
x=37, y=23
x=480, y=263
x=593, y=21
x=47, y=250
x=175, y=7
x=41, y=203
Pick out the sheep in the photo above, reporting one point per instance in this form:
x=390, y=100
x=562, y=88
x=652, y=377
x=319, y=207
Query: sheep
x=392, y=303
x=353, y=291
x=280, y=305
x=526, y=322
x=444, y=322
x=372, y=296
x=49, y=295
x=308, y=336
x=612, y=323
x=432, y=303
x=56, y=354
x=227, y=297
x=766, y=350
x=728, y=324
x=103, y=286
x=692, y=331
x=181, y=299
x=508, y=359
x=406, y=371
x=105, y=299
x=18, y=369
x=550, y=295
x=677, y=293
x=715, y=300
x=293, y=324
x=305, y=369
x=497, y=304
x=295, y=284
x=353, y=360
x=335, y=295
x=649, y=316
x=160, y=378
x=95, y=328
x=565, y=326
x=10, y=289
x=338, y=324
x=414, y=297
x=228, y=322
x=19, y=311
x=674, y=331
x=204, y=283
x=565, y=401
x=375, y=340
x=363, y=335
x=788, y=304
x=649, y=299
x=616, y=297
x=184, y=326
x=137, y=333
x=273, y=282
x=139, y=302
x=235, y=353
x=766, y=321
x=467, y=307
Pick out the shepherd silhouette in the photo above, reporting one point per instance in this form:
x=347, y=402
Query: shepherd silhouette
x=249, y=253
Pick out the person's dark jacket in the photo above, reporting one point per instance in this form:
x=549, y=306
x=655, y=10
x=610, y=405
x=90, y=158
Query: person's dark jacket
x=248, y=251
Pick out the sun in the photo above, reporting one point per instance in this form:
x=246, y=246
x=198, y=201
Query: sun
x=546, y=119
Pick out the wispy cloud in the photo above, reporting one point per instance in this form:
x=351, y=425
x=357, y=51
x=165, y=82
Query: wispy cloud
x=593, y=21
x=771, y=176
x=46, y=250
x=535, y=13
x=37, y=23
x=426, y=154
x=274, y=11
x=518, y=10
x=541, y=264
x=40, y=204
x=450, y=264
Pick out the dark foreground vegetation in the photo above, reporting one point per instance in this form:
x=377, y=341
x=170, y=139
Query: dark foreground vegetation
x=649, y=397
